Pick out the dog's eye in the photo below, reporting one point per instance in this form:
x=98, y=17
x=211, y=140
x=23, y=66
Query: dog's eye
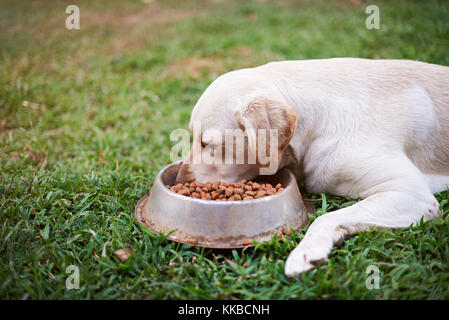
x=203, y=145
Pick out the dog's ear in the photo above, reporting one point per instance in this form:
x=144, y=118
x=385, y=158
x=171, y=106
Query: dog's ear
x=263, y=113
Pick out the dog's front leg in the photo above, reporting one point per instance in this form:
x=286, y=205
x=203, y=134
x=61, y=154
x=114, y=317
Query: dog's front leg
x=391, y=209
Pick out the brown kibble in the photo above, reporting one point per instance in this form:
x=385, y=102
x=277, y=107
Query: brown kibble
x=215, y=185
x=261, y=193
x=235, y=191
x=195, y=195
x=215, y=195
x=123, y=254
x=192, y=240
x=246, y=242
x=184, y=191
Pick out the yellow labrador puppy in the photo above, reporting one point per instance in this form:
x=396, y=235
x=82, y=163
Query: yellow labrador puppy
x=371, y=129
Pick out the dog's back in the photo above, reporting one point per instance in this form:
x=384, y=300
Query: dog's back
x=406, y=98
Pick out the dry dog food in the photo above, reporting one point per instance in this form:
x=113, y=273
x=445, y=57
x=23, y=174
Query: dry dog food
x=222, y=191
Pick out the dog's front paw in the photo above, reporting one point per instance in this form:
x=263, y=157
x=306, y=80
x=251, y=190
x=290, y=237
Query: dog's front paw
x=297, y=263
x=305, y=257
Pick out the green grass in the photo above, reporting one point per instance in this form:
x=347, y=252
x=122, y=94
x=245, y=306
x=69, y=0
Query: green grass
x=84, y=129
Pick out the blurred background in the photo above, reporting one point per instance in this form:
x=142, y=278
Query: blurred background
x=134, y=69
x=84, y=127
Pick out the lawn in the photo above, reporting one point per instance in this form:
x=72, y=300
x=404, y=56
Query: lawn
x=84, y=128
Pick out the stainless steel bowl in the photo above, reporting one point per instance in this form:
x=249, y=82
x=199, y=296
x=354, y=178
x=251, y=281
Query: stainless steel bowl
x=221, y=224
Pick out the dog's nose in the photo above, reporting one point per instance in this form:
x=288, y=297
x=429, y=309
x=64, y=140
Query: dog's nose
x=184, y=175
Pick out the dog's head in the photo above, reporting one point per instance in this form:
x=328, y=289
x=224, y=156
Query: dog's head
x=226, y=124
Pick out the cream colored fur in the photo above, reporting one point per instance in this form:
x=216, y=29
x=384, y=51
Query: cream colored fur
x=374, y=129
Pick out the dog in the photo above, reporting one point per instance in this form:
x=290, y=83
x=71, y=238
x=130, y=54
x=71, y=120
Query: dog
x=358, y=128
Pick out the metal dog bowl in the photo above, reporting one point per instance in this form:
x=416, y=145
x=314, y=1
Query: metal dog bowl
x=221, y=224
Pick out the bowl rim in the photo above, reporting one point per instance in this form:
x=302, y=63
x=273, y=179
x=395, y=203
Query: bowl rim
x=159, y=183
